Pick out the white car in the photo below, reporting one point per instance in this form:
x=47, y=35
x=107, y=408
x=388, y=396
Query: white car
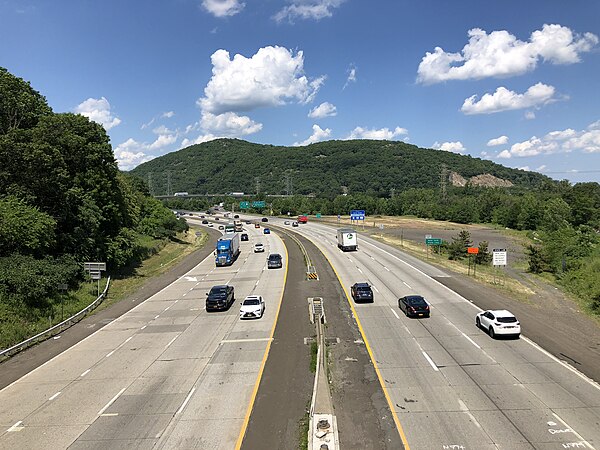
x=253, y=307
x=498, y=322
x=259, y=248
x=287, y=222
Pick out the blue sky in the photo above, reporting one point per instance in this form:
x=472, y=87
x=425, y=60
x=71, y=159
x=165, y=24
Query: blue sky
x=513, y=82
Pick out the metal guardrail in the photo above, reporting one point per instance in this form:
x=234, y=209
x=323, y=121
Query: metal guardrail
x=56, y=328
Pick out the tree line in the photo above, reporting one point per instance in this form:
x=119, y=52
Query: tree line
x=63, y=201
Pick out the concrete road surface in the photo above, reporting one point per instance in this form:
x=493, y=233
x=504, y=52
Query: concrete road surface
x=165, y=375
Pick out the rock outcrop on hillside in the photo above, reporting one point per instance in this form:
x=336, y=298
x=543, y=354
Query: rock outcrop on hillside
x=485, y=180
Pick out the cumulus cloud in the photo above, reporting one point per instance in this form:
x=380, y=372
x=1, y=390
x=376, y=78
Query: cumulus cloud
x=504, y=100
x=501, y=140
x=223, y=8
x=351, y=76
x=561, y=141
x=98, y=110
x=229, y=124
x=323, y=110
x=380, y=134
x=307, y=9
x=199, y=140
x=131, y=153
x=501, y=54
x=271, y=77
x=318, y=135
x=454, y=147
x=167, y=114
x=530, y=115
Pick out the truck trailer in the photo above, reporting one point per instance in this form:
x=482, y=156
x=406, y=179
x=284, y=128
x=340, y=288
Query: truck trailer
x=347, y=239
x=228, y=249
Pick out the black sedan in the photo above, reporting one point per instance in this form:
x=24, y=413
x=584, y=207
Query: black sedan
x=362, y=292
x=414, y=306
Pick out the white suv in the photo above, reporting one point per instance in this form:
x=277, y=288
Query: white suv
x=498, y=322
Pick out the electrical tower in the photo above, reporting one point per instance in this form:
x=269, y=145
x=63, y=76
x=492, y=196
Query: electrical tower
x=150, y=184
x=168, y=182
x=443, y=182
x=257, y=181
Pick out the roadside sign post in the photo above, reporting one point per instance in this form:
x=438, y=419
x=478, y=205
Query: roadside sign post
x=244, y=205
x=499, y=259
x=432, y=241
x=472, y=251
x=358, y=214
x=95, y=269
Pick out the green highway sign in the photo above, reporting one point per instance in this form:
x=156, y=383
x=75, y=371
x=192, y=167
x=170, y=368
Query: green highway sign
x=434, y=241
x=244, y=205
x=258, y=204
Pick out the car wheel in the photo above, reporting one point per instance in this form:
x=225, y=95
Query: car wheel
x=478, y=322
x=492, y=334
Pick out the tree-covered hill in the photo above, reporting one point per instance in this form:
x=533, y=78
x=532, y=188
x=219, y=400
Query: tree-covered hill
x=326, y=168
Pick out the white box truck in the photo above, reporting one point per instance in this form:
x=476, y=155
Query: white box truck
x=347, y=239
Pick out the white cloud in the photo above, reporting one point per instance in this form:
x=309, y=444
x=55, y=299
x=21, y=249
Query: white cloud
x=162, y=130
x=167, y=114
x=323, y=110
x=526, y=168
x=501, y=140
x=530, y=115
x=229, y=124
x=501, y=54
x=560, y=141
x=162, y=140
x=130, y=154
x=504, y=154
x=351, y=76
x=271, y=77
x=380, y=134
x=307, y=9
x=454, y=147
x=98, y=110
x=505, y=100
x=223, y=8
x=541, y=168
x=199, y=140
x=318, y=135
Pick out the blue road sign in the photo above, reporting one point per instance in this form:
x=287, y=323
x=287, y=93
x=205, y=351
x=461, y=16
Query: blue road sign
x=357, y=214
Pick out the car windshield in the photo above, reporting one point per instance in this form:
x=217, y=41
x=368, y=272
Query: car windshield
x=364, y=288
x=274, y=257
x=258, y=245
x=251, y=301
x=506, y=319
x=221, y=291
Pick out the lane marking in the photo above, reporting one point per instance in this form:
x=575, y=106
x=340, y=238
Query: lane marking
x=16, y=427
x=54, y=396
x=237, y=341
x=112, y=400
x=240, y=438
x=157, y=316
x=472, y=341
x=375, y=287
x=109, y=414
x=397, y=316
x=386, y=268
x=85, y=373
x=171, y=341
x=407, y=285
x=143, y=327
x=430, y=361
x=109, y=354
x=185, y=402
x=572, y=430
x=359, y=270
x=127, y=340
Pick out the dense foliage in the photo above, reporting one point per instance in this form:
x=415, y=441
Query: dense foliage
x=326, y=169
x=63, y=201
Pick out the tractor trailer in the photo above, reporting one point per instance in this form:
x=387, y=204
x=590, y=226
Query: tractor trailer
x=228, y=249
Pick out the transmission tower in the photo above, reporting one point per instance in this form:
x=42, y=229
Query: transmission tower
x=168, y=182
x=150, y=184
x=257, y=181
x=443, y=182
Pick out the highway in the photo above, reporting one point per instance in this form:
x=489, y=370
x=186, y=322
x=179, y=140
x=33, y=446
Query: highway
x=450, y=385
x=167, y=374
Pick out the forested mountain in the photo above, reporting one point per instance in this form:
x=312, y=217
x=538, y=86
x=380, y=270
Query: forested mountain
x=325, y=168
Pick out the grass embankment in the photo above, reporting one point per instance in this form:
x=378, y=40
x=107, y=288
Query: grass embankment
x=19, y=322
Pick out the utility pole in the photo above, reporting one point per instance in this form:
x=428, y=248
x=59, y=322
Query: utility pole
x=257, y=181
x=168, y=182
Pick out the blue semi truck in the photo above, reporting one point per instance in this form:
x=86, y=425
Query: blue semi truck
x=228, y=249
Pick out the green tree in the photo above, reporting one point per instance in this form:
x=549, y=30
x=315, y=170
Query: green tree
x=457, y=249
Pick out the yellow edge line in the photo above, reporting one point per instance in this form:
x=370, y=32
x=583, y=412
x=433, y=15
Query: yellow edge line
x=240, y=438
x=381, y=382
